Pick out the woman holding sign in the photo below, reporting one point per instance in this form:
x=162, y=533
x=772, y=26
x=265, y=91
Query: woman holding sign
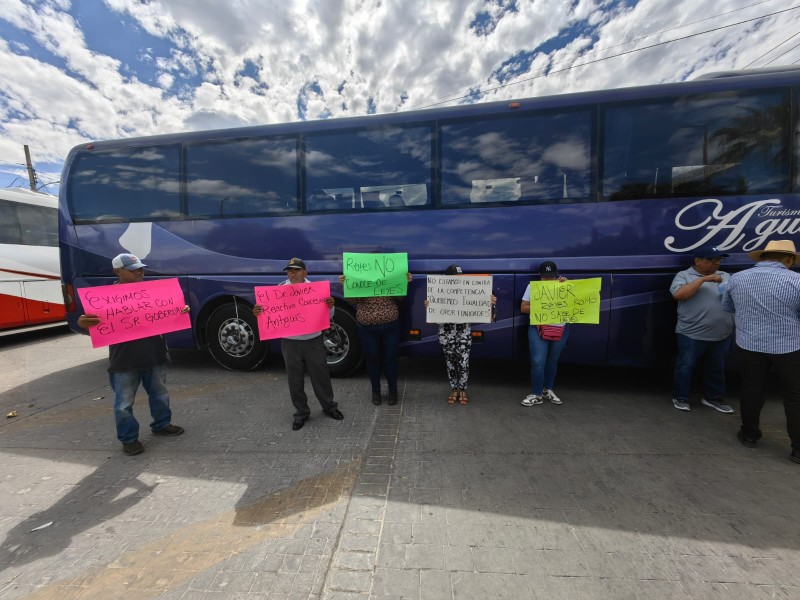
x=546, y=343
x=379, y=328
x=456, y=342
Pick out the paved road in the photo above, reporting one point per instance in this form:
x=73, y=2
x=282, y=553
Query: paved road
x=614, y=494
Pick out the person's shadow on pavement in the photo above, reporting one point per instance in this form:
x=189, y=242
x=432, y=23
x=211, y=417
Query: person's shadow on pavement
x=108, y=491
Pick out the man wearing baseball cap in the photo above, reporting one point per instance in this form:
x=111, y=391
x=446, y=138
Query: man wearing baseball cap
x=143, y=361
x=765, y=300
x=306, y=354
x=703, y=330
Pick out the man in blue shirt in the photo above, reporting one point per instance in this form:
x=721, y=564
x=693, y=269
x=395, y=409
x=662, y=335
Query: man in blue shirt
x=766, y=303
x=703, y=331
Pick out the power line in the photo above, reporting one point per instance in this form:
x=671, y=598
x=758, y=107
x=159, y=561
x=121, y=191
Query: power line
x=686, y=37
x=644, y=37
x=777, y=57
x=771, y=49
x=633, y=41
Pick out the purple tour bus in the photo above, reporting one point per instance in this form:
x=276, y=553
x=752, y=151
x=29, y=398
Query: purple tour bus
x=619, y=184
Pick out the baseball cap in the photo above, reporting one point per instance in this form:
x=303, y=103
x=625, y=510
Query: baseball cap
x=295, y=263
x=548, y=269
x=453, y=270
x=710, y=252
x=127, y=261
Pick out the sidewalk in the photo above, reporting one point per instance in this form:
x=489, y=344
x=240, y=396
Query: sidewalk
x=614, y=494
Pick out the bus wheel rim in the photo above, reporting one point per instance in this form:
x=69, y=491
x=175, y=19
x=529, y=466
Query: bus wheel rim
x=236, y=337
x=336, y=351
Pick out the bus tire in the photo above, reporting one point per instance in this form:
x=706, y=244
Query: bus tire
x=342, y=344
x=233, y=339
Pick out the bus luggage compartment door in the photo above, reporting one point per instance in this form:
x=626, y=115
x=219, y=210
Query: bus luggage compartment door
x=43, y=301
x=12, y=307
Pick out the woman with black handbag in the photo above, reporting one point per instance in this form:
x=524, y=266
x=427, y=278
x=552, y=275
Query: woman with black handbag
x=546, y=343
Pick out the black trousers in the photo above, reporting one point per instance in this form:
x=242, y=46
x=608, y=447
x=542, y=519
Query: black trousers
x=755, y=370
x=307, y=356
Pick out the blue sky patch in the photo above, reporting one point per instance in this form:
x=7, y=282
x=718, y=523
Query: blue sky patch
x=118, y=36
x=250, y=69
x=312, y=87
x=484, y=23
x=23, y=43
x=520, y=63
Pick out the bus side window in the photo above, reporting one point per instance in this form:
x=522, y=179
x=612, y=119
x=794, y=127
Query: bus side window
x=508, y=189
x=372, y=200
x=541, y=158
x=9, y=225
x=320, y=200
x=396, y=199
x=389, y=166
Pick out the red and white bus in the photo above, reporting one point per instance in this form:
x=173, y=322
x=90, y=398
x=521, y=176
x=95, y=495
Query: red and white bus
x=30, y=282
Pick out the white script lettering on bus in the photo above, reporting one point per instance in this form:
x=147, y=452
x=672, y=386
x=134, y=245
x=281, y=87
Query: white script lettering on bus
x=777, y=221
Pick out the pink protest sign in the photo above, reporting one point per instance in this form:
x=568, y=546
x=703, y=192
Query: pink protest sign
x=131, y=311
x=293, y=309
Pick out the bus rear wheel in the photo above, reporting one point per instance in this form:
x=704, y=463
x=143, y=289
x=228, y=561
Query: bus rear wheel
x=232, y=337
x=342, y=344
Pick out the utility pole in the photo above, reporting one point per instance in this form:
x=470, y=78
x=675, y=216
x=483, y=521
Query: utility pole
x=31, y=172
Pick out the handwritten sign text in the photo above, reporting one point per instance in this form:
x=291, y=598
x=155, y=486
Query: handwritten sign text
x=571, y=301
x=459, y=299
x=133, y=311
x=369, y=275
x=291, y=310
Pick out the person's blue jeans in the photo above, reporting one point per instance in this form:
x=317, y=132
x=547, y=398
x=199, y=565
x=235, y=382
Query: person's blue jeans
x=380, y=352
x=125, y=384
x=690, y=353
x=544, y=359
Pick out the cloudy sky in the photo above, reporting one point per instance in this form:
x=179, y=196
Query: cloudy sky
x=78, y=70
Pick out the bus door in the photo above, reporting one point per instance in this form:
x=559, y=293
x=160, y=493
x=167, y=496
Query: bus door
x=588, y=343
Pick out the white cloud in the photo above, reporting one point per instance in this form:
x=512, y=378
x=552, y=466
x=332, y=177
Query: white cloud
x=391, y=54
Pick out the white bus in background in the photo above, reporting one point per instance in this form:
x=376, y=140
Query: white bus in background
x=30, y=282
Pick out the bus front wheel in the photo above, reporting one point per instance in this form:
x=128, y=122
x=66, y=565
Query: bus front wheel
x=342, y=344
x=232, y=335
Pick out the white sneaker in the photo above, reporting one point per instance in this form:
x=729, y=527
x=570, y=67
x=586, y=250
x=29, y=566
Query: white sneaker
x=550, y=395
x=530, y=400
x=718, y=404
x=681, y=404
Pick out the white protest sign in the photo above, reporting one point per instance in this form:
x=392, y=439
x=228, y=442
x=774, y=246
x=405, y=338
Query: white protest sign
x=459, y=299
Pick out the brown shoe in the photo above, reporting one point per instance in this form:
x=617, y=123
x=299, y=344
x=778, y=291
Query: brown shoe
x=134, y=447
x=169, y=430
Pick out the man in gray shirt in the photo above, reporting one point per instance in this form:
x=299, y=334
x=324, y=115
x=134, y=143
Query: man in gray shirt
x=703, y=330
x=305, y=354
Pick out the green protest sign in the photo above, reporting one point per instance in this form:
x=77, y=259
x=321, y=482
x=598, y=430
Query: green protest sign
x=369, y=275
x=571, y=301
